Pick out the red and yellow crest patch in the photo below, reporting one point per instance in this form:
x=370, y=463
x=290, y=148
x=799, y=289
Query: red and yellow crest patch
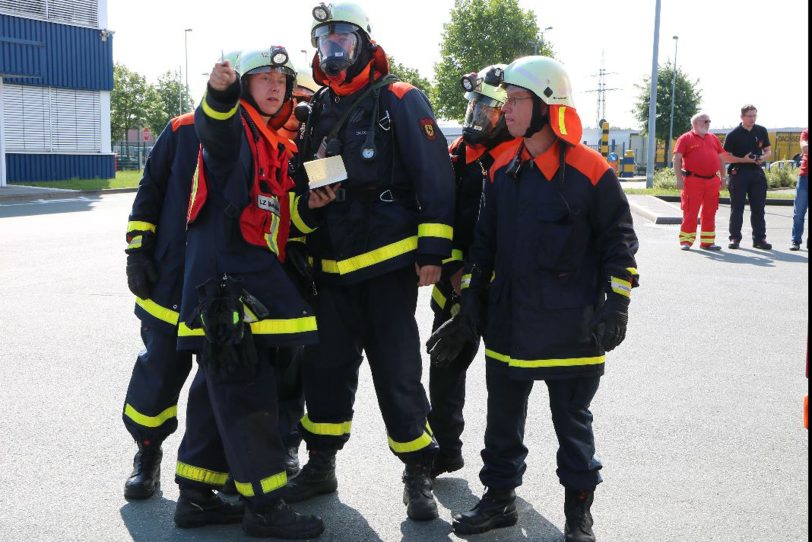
x=429, y=128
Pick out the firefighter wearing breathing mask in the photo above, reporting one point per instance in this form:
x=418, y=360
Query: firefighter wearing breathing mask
x=472, y=154
x=555, y=246
x=239, y=305
x=386, y=234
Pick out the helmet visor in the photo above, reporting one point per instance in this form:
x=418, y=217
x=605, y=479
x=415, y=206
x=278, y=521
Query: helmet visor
x=340, y=44
x=482, y=114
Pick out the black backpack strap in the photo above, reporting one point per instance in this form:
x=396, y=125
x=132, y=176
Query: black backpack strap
x=380, y=83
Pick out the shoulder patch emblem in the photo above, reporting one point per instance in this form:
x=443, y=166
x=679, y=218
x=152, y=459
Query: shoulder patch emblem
x=429, y=128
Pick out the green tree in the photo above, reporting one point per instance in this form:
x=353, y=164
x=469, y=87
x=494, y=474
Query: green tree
x=170, y=90
x=409, y=75
x=133, y=102
x=481, y=33
x=688, y=99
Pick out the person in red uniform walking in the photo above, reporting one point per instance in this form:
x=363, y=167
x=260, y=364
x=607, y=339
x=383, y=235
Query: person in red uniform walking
x=700, y=169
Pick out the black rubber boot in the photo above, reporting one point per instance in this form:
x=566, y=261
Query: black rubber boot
x=278, y=520
x=199, y=507
x=446, y=463
x=292, y=462
x=417, y=495
x=146, y=475
x=496, y=509
x=318, y=477
x=579, y=518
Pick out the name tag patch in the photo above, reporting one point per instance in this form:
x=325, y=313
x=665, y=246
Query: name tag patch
x=268, y=203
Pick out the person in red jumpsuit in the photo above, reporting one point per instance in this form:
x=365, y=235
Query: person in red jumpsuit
x=700, y=169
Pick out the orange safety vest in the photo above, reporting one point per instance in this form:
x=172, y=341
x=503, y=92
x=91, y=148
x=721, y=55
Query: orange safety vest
x=265, y=221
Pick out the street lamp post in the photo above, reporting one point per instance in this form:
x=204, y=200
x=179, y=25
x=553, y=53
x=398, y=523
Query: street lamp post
x=304, y=52
x=186, y=57
x=652, y=106
x=673, y=99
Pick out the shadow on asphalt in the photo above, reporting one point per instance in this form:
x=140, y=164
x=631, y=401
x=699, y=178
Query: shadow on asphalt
x=13, y=209
x=151, y=519
x=455, y=494
x=752, y=256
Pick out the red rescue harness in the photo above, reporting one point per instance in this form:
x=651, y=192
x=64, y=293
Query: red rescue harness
x=265, y=221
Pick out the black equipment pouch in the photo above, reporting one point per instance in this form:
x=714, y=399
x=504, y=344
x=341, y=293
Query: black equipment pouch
x=229, y=346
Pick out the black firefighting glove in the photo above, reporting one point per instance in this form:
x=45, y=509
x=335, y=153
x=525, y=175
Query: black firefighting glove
x=141, y=274
x=141, y=270
x=448, y=340
x=609, y=324
x=229, y=345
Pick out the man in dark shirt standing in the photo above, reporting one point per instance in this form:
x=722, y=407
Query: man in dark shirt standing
x=748, y=147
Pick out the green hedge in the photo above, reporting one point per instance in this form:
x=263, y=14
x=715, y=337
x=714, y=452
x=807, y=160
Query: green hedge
x=783, y=177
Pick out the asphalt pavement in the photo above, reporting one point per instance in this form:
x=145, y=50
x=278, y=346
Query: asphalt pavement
x=698, y=420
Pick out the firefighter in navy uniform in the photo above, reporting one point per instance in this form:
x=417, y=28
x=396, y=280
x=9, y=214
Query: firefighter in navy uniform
x=472, y=155
x=289, y=373
x=555, y=245
x=387, y=233
x=238, y=304
x=156, y=240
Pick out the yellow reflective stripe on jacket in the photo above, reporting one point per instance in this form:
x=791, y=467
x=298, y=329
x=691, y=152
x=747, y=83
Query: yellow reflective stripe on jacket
x=150, y=421
x=199, y=474
x=620, y=286
x=271, y=483
x=136, y=225
x=444, y=231
x=284, y=326
x=195, y=186
x=218, y=115
x=296, y=218
x=368, y=259
x=264, y=327
x=540, y=363
x=327, y=429
x=438, y=297
x=633, y=271
x=423, y=441
x=135, y=242
x=456, y=256
x=186, y=331
x=465, y=282
x=161, y=313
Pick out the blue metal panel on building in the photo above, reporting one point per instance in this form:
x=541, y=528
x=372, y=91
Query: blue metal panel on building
x=54, y=55
x=54, y=167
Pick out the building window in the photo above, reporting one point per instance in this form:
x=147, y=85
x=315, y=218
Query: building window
x=42, y=119
x=76, y=12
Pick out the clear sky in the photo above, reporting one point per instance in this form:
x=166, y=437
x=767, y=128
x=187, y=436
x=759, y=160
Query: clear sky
x=740, y=51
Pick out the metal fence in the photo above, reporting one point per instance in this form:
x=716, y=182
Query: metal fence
x=131, y=155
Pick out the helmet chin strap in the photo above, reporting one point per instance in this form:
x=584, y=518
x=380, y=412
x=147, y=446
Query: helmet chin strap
x=539, y=120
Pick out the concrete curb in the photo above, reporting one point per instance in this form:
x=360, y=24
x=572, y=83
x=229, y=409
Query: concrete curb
x=655, y=209
x=32, y=193
x=726, y=201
